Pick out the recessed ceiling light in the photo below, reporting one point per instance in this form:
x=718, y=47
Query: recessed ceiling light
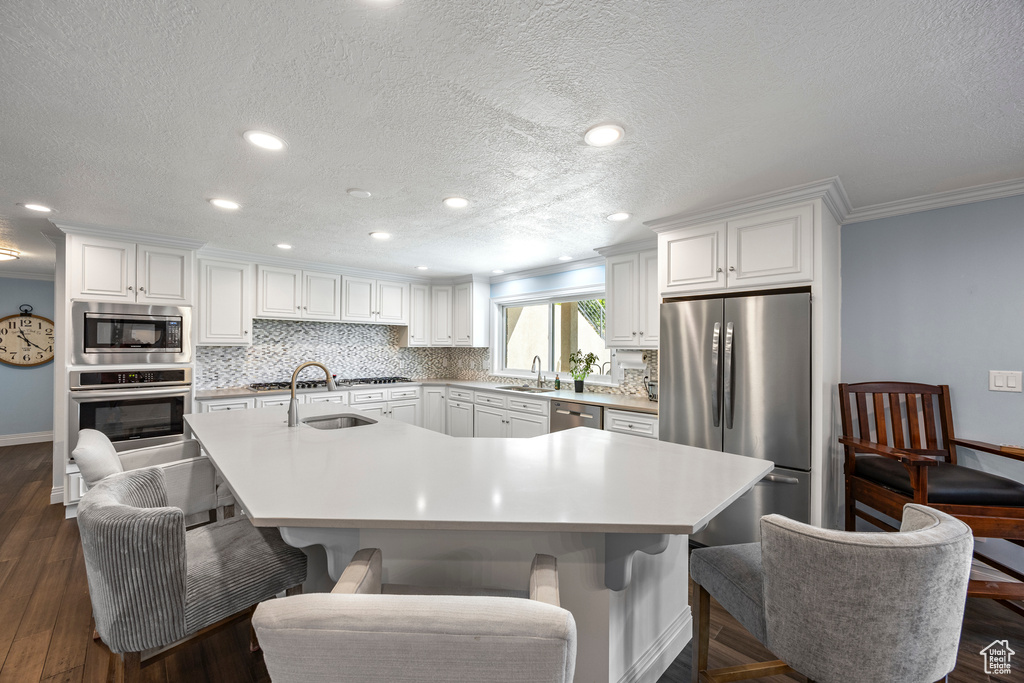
x=38, y=207
x=380, y=235
x=456, y=202
x=9, y=254
x=421, y=268
x=264, y=140
x=620, y=216
x=283, y=246
x=358, y=194
x=604, y=135
x=225, y=204
x=565, y=258
x=497, y=272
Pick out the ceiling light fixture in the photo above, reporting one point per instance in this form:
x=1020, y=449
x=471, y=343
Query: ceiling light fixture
x=357, y=193
x=565, y=258
x=225, y=204
x=497, y=272
x=456, y=202
x=9, y=254
x=38, y=207
x=603, y=135
x=283, y=246
x=264, y=140
x=380, y=235
x=421, y=268
x=620, y=216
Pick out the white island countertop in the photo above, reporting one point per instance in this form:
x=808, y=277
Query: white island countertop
x=390, y=475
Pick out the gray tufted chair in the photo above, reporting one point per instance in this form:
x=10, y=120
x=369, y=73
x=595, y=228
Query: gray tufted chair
x=153, y=584
x=838, y=605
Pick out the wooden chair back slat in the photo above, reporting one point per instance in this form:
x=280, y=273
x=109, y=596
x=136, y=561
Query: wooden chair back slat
x=931, y=435
x=914, y=418
x=880, y=429
x=896, y=417
x=862, y=416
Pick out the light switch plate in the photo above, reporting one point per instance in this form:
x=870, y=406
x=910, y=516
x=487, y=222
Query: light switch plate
x=1004, y=380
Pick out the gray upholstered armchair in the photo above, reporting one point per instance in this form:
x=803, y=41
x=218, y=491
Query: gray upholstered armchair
x=368, y=632
x=154, y=584
x=841, y=606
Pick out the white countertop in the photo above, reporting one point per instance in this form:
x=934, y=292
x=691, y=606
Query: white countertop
x=394, y=475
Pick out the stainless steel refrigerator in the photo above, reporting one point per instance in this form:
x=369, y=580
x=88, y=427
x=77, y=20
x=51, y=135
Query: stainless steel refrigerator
x=735, y=376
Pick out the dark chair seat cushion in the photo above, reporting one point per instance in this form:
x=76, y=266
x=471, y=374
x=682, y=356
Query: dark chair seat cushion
x=232, y=565
x=732, y=575
x=948, y=484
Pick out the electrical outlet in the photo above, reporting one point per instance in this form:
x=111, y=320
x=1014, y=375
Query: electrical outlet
x=1004, y=380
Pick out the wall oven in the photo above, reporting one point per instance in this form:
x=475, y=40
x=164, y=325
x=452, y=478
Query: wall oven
x=109, y=333
x=134, y=408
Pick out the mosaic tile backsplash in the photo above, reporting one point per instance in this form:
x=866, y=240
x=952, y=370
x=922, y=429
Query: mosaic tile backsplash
x=352, y=350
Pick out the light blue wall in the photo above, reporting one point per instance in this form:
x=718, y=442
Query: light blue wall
x=938, y=297
x=584, y=277
x=26, y=394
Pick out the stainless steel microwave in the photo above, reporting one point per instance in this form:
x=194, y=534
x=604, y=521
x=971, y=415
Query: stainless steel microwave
x=110, y=333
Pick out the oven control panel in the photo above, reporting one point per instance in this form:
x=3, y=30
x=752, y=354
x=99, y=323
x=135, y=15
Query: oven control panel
x=99, y=379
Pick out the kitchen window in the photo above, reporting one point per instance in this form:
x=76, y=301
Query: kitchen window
x=552, y=329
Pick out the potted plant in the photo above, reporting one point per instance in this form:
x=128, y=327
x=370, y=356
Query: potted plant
x=580, y=365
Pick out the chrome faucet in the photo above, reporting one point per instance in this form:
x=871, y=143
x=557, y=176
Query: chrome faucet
x=293, y=406
x=536, y=362
x=609, y=364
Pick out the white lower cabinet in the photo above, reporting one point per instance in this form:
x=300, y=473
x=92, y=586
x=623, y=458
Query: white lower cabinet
x=214, y=404
x=459, y=418
x=626, y=422
x=406, y=411
x=434, y=401
x=491, y=422
x=402, y=404
x=328, y=397
x=524, y=426
x=276, y=400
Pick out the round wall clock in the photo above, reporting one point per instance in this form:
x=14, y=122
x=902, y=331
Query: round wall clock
x=26, y=339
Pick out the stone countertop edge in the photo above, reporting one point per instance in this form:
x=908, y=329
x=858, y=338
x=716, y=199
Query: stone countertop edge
x=637, y=404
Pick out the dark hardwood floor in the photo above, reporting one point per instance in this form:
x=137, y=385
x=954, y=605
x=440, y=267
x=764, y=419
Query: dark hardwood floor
x=45, y=615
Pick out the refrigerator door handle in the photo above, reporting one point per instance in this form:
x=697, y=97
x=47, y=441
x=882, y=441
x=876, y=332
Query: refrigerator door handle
x=714, y=368
x=780, y=479
x=728, y=376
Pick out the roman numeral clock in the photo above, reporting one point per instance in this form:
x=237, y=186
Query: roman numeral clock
x=26, y=339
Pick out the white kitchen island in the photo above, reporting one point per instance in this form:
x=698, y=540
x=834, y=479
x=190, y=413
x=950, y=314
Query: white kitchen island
x=450, y=511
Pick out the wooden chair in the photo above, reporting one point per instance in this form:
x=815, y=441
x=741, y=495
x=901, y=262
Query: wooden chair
x=901, y=448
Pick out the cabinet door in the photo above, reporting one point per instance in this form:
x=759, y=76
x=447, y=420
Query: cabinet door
x=406, y=411
x=225, y=303
x=434, y=408
x=460, y=419
x=462, y=314
x=692, y=258
x=621, y=292
x=772, y=247
x=374, y=409
x=392, y=302
x=278, y=292
x=649, y=303
x=419, y=315
x=357, y=299
x=321, y=296
x=441, y=316
x=163, y=275
x=489, y=422
x=524, y=426
x=102, y=269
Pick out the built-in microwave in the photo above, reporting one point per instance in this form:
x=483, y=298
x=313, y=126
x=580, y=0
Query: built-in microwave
x=109, y=333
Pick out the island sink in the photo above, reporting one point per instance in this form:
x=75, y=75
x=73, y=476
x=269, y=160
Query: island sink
x=528, y=390
x=337, y=421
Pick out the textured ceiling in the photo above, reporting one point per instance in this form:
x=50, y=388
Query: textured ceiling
x=129, y=115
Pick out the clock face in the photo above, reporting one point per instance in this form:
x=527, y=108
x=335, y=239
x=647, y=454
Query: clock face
x=26, y=340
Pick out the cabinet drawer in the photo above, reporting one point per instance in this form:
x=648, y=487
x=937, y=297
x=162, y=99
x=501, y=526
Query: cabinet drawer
x=490, y=400
x=528, y=406
x=330, y=397
x=624, y=422
x=460, y=394
x=273, y=401
x=461, y=405
x=368, y=396
x=240, y=404
x=405, y=392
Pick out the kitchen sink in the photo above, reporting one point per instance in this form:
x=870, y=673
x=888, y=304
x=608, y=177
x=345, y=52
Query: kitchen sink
x=527, y=390
x=337, y=421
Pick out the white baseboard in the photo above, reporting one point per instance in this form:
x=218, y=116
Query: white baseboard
x=649, y=666
x=56, y=495
x=28, y=437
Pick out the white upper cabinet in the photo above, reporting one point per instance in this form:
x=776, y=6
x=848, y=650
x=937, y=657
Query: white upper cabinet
x=470, y=314
x=374, y=301
x=418, y=333
x=321, y=296
x=392, y=302
x=358, y=299
x=225, y=303
x=112, y=270
x=289, y=293
x=757, y=249
x=632, y=300
x=441, y=315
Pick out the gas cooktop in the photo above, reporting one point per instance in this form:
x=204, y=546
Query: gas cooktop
x=322, y=383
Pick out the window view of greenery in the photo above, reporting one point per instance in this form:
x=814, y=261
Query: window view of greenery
x=553, y=331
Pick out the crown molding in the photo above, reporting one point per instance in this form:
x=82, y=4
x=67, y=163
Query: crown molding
x=939, y=200
x=146, y=238
x=830, y=191
x=28, y=276
x=548, y=270
x=285, y=262
x=628, y=247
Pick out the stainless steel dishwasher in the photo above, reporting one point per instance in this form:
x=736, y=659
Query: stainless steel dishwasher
x=566, y=415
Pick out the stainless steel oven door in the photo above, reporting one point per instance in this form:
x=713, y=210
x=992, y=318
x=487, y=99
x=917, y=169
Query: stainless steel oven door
x=104, y=333
x=131, y=418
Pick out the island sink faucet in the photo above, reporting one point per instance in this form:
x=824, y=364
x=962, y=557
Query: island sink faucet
x=536, y=363
x=293, y=405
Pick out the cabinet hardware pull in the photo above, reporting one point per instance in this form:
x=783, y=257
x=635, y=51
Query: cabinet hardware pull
x=719, y=270
x=634, y=334
x=142, y=289
x=641, y=333
x=245, y=331
x=630, y=426
x=732, y=268
x=130, y=288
